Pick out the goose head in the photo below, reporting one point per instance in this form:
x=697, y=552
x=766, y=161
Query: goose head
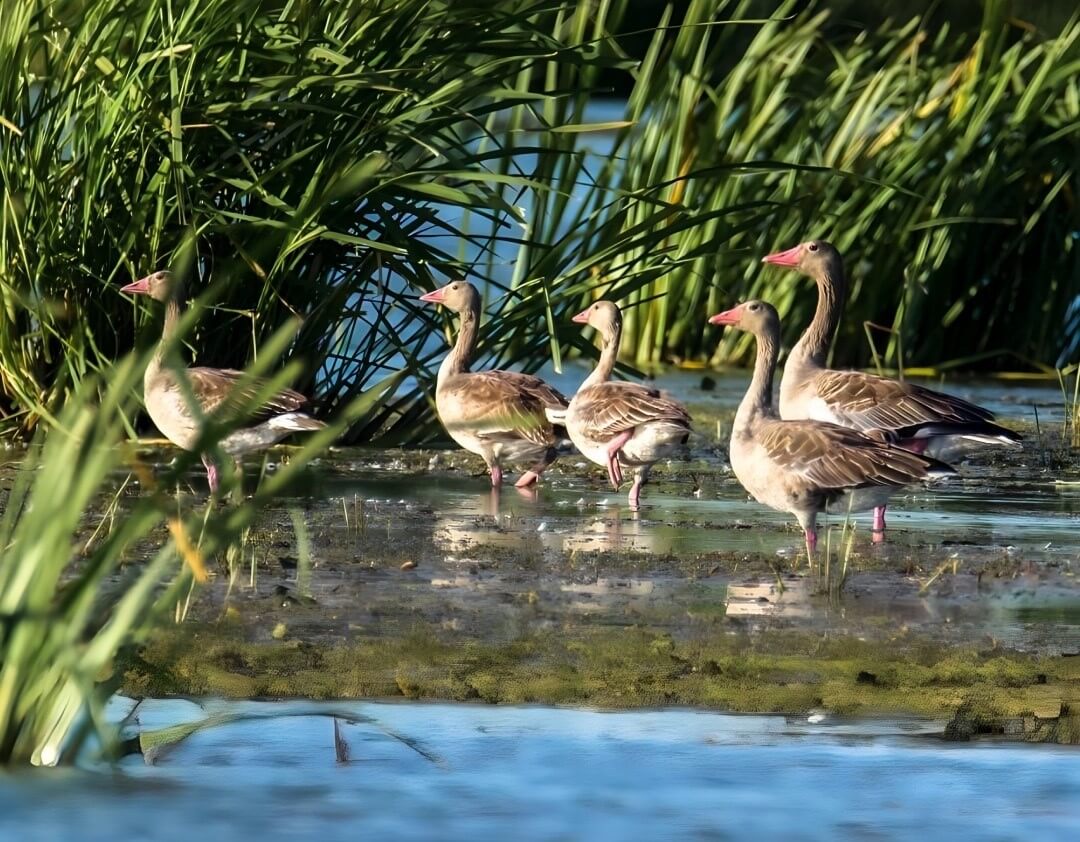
x=816, y=258
x=458, y=296
x=757, y=317
x=604, y=316
x=158, y=286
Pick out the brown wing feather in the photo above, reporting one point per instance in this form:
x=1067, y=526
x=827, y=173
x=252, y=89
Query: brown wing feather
x=534, y=387
x=828, y=456
x=503, y=405
x=216, y=389
x=608, y=409
x=867, y=402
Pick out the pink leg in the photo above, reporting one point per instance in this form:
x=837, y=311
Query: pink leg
x=635, y=492
x=496, y=476
x=211, y=474
x=526, y=479
x=613, y=466
x=811, y=541
x=877, y=532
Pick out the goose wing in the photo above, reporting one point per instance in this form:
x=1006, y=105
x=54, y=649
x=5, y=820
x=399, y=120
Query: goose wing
x=827, y=456
x=500, y=405
x=868, y=402
x=607, y=409
x=219, y=390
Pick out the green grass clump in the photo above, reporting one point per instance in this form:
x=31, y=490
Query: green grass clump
x=755, y=126
x=320, y=153
x=62, y=629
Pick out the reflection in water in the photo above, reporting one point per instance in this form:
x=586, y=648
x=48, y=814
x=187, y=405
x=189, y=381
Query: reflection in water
x=568, y=551
x=489, y=520
x=789, y=599
x=504, y=560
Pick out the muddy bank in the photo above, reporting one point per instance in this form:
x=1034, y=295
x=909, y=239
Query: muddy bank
x=774, y=672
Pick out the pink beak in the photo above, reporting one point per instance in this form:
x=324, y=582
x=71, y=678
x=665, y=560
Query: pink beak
x=582, y=318
x=139, y=287
x=434, y=297
x=728, y=317
x=791, y=257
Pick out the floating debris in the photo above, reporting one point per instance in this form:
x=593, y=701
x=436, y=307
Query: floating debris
x=341, y=748
x=408, y=565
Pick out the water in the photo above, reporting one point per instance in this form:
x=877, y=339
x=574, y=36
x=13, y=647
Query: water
x=437, y=771
x=1002, y=538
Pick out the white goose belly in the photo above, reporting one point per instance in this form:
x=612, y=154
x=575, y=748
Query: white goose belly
x=650, y=442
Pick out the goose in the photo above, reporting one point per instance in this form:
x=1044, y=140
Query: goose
x=498, y=415
x=910, y=416
x=169, y=405
x=804, y=466
x=616, y=424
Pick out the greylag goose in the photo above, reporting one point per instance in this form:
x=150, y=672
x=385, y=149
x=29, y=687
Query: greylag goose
x=910, y=416
x=498, y=415
x=171, y=411
x=614, y=423
x=803, y=467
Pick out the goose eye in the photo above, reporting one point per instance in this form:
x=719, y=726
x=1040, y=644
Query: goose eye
x=752, y=307
x=812, y=246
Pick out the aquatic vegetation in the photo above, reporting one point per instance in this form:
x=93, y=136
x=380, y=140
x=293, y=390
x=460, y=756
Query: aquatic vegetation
x=66, y=613
x=329, y=174
x=767, y=671
x=319, y=168
x=60, y=632
x=909, y=147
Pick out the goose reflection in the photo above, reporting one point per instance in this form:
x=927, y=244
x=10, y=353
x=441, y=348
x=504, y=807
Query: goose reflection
x=520, y=522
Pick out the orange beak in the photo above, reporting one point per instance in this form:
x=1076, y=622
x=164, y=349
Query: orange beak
x=728, y=317
x=139, y=287
x=434, y=297
x=791, y=257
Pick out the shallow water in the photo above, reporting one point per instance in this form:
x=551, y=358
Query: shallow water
x=1002, y=538
x=437, y=771
x=987, y=556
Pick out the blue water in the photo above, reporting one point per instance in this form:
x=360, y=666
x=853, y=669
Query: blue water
x=438, y=771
